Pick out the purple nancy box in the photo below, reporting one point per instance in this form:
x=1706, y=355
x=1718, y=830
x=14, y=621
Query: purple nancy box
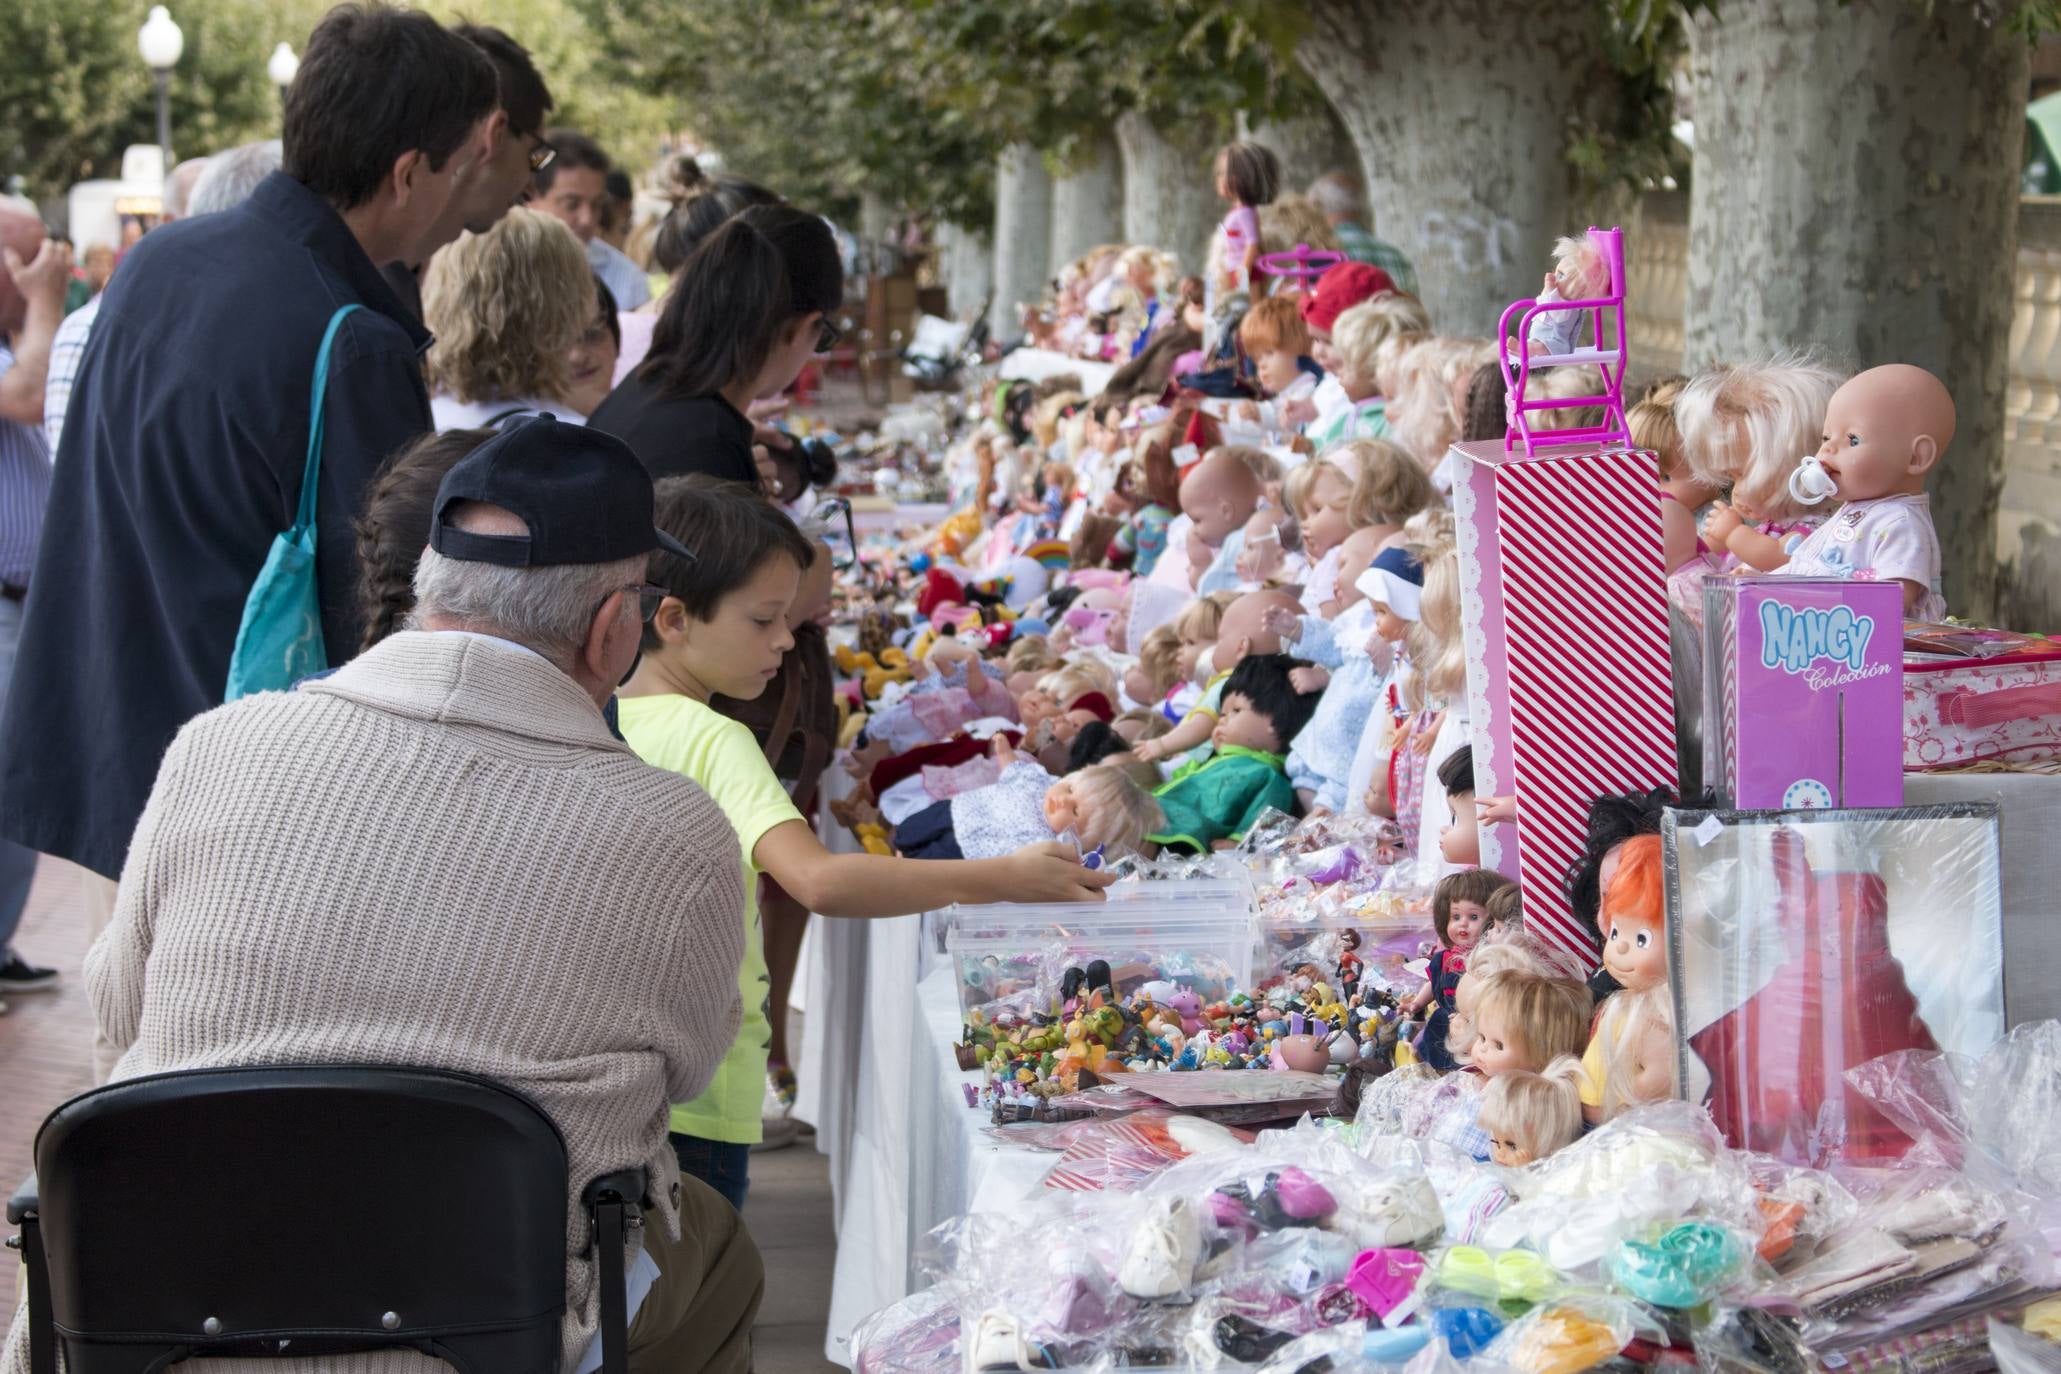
x=1803, y=692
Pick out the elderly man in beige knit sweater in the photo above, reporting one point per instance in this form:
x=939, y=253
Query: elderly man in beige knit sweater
x=441, y=855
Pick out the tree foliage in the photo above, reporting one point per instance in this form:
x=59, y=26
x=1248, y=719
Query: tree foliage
x=74, y=93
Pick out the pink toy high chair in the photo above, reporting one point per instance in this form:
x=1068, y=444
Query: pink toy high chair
x=1607, y=358
x=1303, y=263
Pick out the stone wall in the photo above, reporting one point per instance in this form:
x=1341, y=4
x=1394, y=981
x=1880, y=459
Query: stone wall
x=2028, y=528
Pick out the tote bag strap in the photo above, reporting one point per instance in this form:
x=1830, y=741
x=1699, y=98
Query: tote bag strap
x=304, y=514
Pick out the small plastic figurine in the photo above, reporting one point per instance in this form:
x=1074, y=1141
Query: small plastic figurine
x=1884, y=432
x=1349, y=965
x=1530, y=1115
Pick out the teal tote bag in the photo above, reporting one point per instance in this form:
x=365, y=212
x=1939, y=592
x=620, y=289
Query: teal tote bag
x=280, y=639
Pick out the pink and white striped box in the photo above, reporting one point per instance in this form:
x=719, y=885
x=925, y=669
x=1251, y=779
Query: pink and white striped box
x=1564, y=600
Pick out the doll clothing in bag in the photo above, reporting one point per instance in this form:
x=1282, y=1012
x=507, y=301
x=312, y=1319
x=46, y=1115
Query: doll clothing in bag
x=1891, y=537
x=1220, y=797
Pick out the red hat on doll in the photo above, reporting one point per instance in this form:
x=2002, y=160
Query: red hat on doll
x=1340, y=289
x=940, y=588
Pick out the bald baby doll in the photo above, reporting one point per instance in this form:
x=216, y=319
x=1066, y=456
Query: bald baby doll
x=1884, y=432
x=1219, y=496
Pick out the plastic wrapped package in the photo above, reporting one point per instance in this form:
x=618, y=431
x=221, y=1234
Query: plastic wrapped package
x=1650, y=1167
x=1124, y=1154
x=1198, y=935
x=2018, y=1351
x=1573, y=1332
x=918, y=1335
x=1804, y=943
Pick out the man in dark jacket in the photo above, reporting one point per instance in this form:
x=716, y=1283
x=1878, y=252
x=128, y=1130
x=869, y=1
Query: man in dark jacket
x=193, y=403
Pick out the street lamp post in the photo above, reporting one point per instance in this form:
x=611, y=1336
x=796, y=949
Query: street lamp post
x=282, y=68
x=160, y=42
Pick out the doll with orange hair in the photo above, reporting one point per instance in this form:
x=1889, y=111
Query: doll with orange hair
x=1277, y=339
x=1631, y=1053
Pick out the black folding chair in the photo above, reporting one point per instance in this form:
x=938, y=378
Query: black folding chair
x=297, y=1211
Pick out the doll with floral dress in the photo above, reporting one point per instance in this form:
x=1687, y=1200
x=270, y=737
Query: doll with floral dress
x=1742, y=428
x=1100, y=806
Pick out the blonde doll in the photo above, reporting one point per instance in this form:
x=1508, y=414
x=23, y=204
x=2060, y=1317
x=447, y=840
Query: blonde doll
x=1153, y=678
x=1743, y=426
x=1428, y=400
x=1579, y=274
x=1526, y=1020
x=1364, y=336
x=1361, y=485
x=1682, y=493
x=1530, y=1115
x=1434, y=693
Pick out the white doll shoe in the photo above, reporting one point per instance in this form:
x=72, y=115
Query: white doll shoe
x=1396, y=1213
x=1161, y=1258
x=1200, y=1136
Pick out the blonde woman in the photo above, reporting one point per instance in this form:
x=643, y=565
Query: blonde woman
x=506, y=307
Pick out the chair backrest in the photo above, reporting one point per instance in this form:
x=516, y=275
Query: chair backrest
x=330, y=1207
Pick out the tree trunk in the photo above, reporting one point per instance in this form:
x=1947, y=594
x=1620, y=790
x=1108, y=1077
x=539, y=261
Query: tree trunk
x=1169, y=201
x=1308, y=148
x=1459, y=110
x=1023, y=237
x=1855, y=189
x=967, y=257
x=1088, y=206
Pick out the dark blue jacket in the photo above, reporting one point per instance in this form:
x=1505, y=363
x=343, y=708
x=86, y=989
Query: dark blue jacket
x=181, y=459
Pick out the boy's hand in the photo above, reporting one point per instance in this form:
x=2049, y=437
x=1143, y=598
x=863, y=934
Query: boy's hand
x=1052, y=872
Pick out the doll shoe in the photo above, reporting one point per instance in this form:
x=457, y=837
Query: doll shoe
x=1563, y=1340
x=1385, y=1279
x=1384, y=1346
x=1684, y=1268
x=997, y=1343
x=1247, y=1341
x=1466, y=1330
x=1337, y=1305
x=1301, y=1198
x=1399, y=1214
x=1315, y=1260
x=1512, y=1276
x=1161, y=1258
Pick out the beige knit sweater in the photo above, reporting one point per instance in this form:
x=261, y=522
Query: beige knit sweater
x=438, y=856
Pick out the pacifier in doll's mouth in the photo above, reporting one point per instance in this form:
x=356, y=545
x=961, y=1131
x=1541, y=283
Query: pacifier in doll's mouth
x=1810, y=484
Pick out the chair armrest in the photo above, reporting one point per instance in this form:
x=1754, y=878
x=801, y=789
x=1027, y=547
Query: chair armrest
x=625, y=1185
x=26, y=1201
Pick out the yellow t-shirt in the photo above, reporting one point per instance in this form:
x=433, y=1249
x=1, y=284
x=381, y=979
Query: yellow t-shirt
x=1594, y=1069
x=681, y=735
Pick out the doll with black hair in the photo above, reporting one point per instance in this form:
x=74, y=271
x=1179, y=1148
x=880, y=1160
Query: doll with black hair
x=1211, y=802
x=1612, y=820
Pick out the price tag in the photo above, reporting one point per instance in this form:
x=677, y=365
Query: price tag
x=1711, y=828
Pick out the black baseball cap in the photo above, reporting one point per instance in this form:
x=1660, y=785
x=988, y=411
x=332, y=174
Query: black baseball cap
x=583, y=494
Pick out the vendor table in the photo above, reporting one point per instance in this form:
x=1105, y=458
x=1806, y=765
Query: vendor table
x=1036, y=364
x=879, y=1083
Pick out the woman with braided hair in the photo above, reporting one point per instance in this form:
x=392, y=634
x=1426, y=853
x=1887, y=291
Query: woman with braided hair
x=393, y=528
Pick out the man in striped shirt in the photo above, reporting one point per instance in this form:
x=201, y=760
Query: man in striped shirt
x=34, y=272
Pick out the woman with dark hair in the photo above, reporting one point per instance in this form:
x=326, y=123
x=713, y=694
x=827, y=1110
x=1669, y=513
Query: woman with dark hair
x=751, y=307
x=692, y=219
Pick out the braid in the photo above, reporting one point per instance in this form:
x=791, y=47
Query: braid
x=393, y=529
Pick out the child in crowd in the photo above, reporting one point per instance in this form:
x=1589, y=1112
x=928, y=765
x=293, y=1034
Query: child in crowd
x=1459, y=914
x=722, y=628
x=1209, y=803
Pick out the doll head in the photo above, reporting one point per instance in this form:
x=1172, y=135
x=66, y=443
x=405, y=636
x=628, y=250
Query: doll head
x=1637, y=1030
x=1104, y=807
x=1527, y=1020
x=1219, y=496
x=1245, y=628
x=1634, y=926
x=1530, y=1115
x=1248, y=174
x=1459, y=842
x=1485, y=414
x=1459, y=910
x=1394, y=583
x=1744, y=425
x=1579, y=271
x=1262, y=710
x=1366, y=335
x=1141, y=723
x=1270, y=536
x=1322, y=494
x=1425, y=396
x=1506, y=909
x=1884, y=431
x=1651, y=420
x=1030, y=654
x=1355, y=556
x=1198, y=621
x=1498, y=951
x=1079, y=683
x=1612, y=820
x=1438, y=652
x=1388, y=485
x=1275, y=336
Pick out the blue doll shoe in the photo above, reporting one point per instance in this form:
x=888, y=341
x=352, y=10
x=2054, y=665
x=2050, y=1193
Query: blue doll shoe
x=1466, y=1330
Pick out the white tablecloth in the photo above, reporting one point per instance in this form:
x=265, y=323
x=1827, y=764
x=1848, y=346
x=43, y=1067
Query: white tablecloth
x=918, y=1158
